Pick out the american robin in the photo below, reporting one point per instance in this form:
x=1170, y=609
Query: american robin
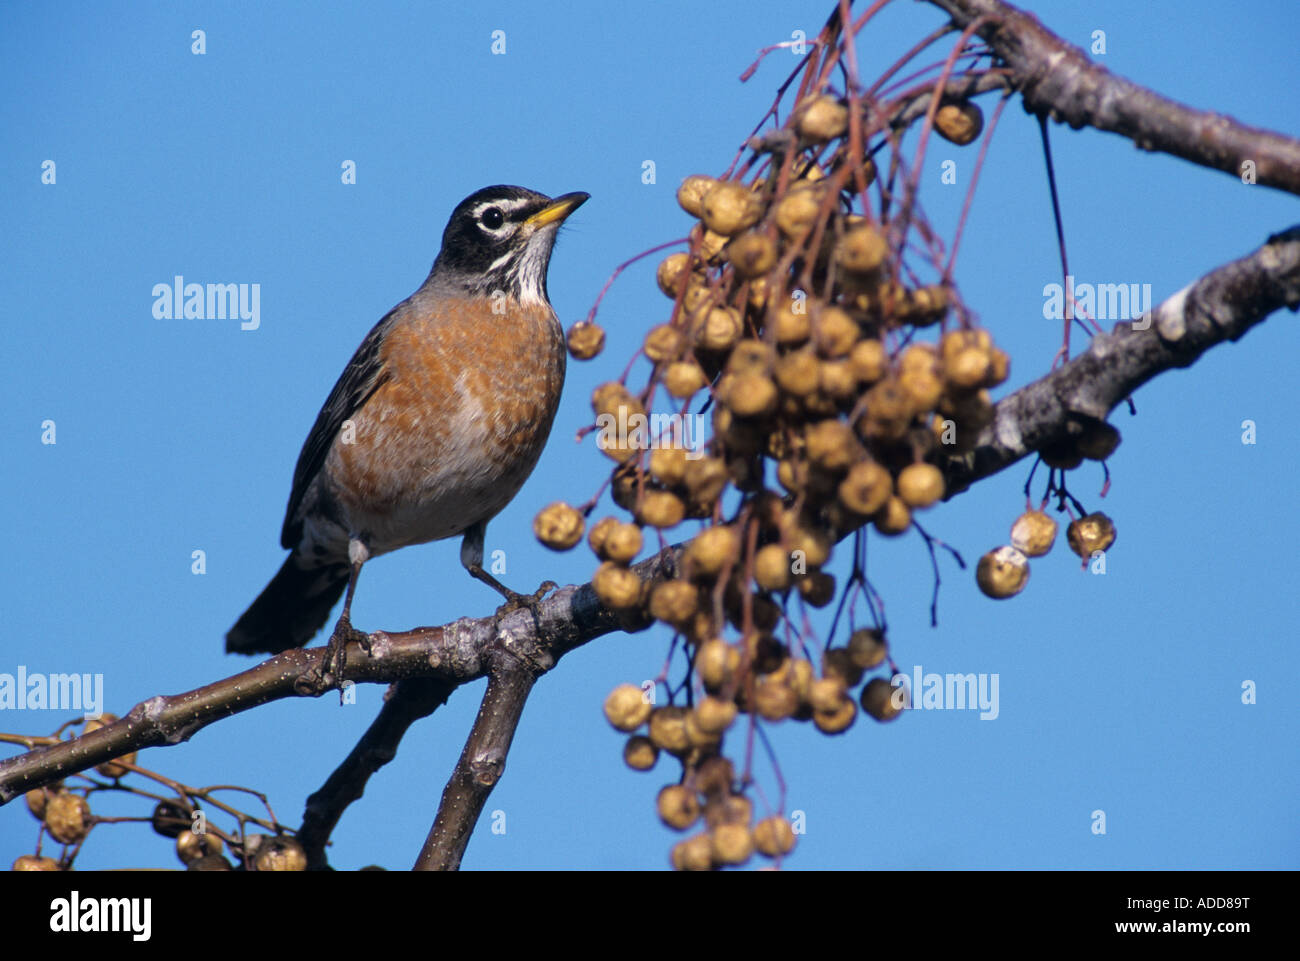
x=434, y=425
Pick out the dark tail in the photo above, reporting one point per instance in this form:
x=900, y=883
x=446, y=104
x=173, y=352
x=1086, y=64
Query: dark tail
x=289, y=611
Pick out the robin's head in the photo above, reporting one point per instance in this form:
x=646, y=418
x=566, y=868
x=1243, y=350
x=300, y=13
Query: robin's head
x=500, y=238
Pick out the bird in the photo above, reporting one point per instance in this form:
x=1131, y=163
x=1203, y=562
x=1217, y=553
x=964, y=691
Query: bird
x=432, y=428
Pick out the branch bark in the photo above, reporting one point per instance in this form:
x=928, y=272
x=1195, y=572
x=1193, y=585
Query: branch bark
x=1057, y=78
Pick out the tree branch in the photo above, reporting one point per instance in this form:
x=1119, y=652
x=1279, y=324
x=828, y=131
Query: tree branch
x=1220, y=306
x=404, y=703
x=481, y=764
x=1057, y=78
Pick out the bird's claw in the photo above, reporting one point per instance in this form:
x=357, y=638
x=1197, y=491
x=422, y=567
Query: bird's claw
x=529, y=601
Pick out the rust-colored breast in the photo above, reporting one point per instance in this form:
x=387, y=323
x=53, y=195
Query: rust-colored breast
x=457, y=426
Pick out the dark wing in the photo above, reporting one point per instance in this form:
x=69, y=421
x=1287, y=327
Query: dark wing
x=360, y=379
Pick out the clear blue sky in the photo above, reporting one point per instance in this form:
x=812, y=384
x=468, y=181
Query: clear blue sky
x=1118, y=692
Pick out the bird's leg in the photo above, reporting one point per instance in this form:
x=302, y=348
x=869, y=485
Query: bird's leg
x=471, y=557
x=336, y=649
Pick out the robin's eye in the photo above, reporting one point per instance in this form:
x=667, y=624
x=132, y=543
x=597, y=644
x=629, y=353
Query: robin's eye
x=492, y=218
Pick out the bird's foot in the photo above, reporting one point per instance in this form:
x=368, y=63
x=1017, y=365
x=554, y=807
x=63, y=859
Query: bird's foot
x=336, y=659
x=529, y=601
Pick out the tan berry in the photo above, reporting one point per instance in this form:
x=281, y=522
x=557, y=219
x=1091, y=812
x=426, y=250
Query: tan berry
x=719, y=330
x=668, y=729
x=869, y=360
x=894, y=518
x=716, y=662
x=750, y=357
x=797, y=212
x=729, y=208
x=811, y=545
x=837, y=721
x=684, y=378
x=882, y=701
x=922, y=387
x=1096, y=532
x=668, y=465
x=622, y=543
x=671, y=272
x=664, y=342
x=838, y=663
x=751, y=395
x=34, y=862
x=773, y=836
x=612, y=398
x=38, y=796
x=821, y=118
x=640, y=753
x=661, y=509
x=732, y=843
x=826, y=693
x=798, y=373
x=190, y=847
x=729, y=809
x=559, y=526
x=713, y=715
x=928, y=305
x=691, y=193
x=834, y=332
x=959, y=123
x=700, y=738
x=712, y=550
x=1003, y=572
x=617, y=586
x=866, y=488
x=281, y=854
x=968, y=369
x=830, y=445
x=752, y=254
x=693, y=854
x=772, y=567
x=774, y=699
x=67, y=817
x=705, y=478
x=920, y=485
x=678, y=806
x=586, y=339
x=837, y=380
x=627, y=708
x=867, y=648
x=1033, y=533
x=817, y=588
x=674, y=602
x=861, y=249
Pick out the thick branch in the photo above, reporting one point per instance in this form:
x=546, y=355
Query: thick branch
x=481, y=764
x=1057, y=78
x=1222, y=305
x=405, y=703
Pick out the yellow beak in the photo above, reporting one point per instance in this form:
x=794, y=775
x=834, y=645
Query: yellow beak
x=558, y=209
